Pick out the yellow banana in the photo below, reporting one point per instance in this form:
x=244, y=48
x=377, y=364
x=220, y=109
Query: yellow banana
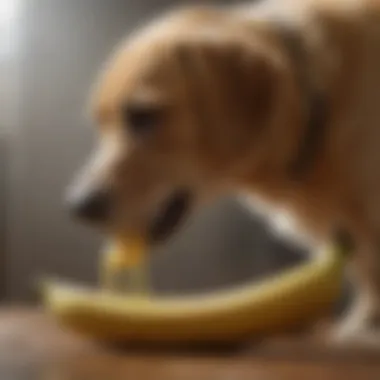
x=122, y=266
x=296, y=296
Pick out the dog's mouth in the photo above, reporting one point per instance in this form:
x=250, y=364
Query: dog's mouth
x=170, y=215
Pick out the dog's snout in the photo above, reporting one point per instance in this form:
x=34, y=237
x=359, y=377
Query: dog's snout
x=93, y=206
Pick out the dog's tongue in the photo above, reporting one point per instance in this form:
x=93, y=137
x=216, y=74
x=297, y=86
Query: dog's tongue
x=170, y=215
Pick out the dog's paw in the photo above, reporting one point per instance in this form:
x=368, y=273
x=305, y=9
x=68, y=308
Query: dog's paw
x=343, y=337
x=360, y=328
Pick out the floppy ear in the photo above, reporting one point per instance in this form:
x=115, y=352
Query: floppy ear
x=244, y=81
x=233, y=86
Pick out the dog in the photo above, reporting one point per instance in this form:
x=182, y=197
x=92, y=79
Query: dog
x=276, y=102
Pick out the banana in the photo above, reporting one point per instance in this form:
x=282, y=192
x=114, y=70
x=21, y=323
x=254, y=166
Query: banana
x=289, y=299
x=122, y=266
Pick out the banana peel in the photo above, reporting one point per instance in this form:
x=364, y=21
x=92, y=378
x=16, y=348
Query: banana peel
x=290, y=299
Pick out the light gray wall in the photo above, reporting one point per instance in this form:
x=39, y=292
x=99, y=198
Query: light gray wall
x=9, y=112
x=62, y=43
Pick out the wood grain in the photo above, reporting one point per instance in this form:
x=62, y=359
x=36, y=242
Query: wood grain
x=33, y=346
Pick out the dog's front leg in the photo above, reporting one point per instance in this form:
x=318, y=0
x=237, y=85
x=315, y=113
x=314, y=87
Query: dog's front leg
x=361, y=324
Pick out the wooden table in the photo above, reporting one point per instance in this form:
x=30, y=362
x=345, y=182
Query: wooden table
x=33, y=346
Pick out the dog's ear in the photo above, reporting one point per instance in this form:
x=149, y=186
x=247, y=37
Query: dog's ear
x=233, y=82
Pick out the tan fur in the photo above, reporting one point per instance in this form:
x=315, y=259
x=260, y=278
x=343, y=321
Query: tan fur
x=233, y=118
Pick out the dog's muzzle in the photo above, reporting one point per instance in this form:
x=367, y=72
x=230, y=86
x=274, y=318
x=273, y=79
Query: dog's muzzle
x=170, y=215
x=93, y=206
x=96, y=206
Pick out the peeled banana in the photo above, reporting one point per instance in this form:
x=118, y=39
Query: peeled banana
x=287, y=300
x=123, y=265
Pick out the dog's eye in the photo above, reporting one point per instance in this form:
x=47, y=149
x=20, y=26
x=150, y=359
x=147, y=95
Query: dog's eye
x=140, y=119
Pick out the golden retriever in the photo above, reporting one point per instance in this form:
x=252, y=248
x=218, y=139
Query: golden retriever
x=277, y=101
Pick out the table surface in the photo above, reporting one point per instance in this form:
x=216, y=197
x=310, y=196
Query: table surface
x=33, y=346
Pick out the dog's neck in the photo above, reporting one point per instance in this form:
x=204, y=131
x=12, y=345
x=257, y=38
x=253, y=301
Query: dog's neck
x=315, y=106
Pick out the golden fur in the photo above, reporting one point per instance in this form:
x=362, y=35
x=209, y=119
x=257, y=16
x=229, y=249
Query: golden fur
x=233, y=120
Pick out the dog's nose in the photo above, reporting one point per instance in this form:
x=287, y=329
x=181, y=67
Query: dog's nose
x=93, y=206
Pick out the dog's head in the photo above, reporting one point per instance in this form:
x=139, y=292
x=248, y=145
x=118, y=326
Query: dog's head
x=184, y=109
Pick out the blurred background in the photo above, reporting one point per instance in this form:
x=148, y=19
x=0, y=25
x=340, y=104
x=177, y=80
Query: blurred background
x=50, y=52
